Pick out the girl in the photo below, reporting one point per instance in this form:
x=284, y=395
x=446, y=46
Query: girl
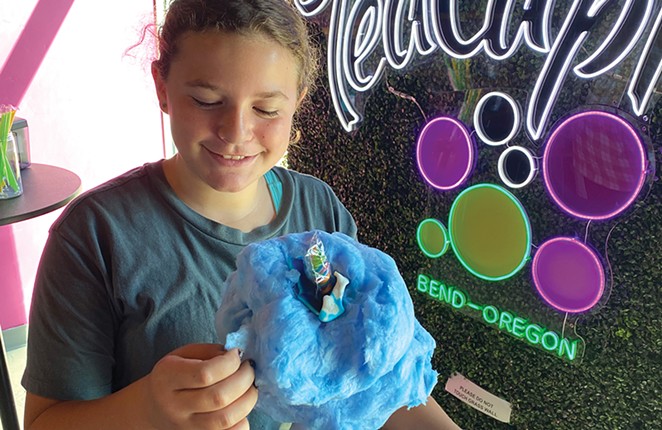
x=131, y=274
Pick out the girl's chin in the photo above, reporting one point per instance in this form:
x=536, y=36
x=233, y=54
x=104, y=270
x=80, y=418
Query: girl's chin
x=232, y=185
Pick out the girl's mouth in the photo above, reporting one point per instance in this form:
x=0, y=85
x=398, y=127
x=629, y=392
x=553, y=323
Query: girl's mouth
x=231, y=159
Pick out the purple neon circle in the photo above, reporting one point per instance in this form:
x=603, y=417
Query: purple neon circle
x=445, y=153
x=568, y=274
x=594, y=165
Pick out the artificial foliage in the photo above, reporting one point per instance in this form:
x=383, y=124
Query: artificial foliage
x=617, y=384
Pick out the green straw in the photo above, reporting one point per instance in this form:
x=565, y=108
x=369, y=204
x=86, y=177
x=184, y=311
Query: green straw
x=6, y=120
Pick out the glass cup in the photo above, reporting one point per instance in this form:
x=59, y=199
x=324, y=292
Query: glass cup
x=10, y=171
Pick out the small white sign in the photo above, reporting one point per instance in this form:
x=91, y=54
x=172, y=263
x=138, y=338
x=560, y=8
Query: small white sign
x=478, y=398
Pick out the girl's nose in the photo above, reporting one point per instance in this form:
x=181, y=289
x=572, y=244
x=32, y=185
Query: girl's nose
x=234, y=125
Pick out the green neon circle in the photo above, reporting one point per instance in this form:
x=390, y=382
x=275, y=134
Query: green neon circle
x=489, y=232
x=432, y=238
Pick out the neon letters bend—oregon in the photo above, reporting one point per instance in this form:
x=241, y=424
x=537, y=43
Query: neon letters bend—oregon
x=404, y=28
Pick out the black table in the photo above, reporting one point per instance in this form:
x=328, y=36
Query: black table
x=45, y=189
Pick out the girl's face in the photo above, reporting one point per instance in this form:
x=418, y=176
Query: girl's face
x=230, y=99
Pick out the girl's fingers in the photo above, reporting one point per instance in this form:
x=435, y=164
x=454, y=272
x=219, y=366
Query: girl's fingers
x=201, y=351
x=182, y=373
x=232, y=416
x=219, y=395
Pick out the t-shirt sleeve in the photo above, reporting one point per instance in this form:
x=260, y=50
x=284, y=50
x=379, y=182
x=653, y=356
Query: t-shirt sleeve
x=316, y=206
x=71, y=324
x=342, y=219
x=345, y=220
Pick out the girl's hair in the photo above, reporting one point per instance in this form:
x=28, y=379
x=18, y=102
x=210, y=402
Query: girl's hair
x=276, y=19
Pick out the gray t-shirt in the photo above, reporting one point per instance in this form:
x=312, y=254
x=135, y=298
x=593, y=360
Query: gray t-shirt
x=129, y=273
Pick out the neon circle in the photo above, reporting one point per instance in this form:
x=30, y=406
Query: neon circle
x=594, y=165
x=568, y=274
x=432, y=238
x=490, y=232
x=508, y=162
x=496, y=118
x=445, y=153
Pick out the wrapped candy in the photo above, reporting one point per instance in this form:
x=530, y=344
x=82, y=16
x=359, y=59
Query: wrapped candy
x=320, y=290
x=317, y=266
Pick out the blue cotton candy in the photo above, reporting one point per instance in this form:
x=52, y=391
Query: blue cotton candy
x=350, y=373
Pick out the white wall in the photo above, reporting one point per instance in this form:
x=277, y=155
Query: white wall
x=90, y=108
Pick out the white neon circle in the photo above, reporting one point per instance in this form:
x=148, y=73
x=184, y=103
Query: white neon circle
x=479, y=110
x=502, y=171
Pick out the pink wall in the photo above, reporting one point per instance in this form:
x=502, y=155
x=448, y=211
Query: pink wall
x=90, y=107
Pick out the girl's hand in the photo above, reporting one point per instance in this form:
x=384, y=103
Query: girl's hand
x=201, y=386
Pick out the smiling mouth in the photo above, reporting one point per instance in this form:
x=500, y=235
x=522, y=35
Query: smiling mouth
x=232, y=159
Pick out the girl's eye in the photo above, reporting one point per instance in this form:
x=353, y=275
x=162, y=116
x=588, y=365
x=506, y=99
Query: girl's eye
x=267, y=113
x=202, y=104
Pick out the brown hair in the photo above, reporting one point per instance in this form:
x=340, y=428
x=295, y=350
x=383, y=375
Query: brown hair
x=276, y=19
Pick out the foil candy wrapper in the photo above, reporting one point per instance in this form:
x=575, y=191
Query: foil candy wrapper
x=317, y=266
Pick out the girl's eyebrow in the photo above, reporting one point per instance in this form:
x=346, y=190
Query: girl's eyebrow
x=273, y=95
x=199, y=83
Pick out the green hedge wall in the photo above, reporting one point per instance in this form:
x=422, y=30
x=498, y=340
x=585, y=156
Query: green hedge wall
x=618, y=383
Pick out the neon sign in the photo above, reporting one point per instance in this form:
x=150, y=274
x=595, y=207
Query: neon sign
x=489, y=232
x=505, y=172
x=579, y=286
x=595, y=163
x=433, y=237
x=607, y=159
x=533, y=334
x=594, y=167
x=365, y=37
x=489, y=128
x=445, y=153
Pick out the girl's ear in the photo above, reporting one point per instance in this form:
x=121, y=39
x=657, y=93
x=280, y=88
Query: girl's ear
x=159, y=84
x=302, y=96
